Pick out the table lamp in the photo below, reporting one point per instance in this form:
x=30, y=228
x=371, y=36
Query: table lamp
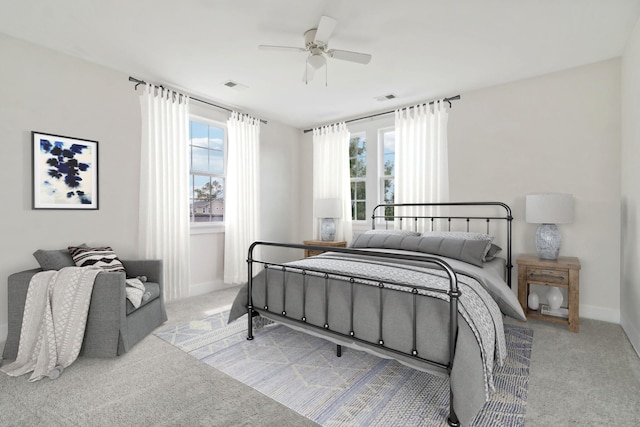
x=327, y=210
x=549, y=210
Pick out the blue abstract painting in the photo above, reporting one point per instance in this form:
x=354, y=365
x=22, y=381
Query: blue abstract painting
x=65, y=172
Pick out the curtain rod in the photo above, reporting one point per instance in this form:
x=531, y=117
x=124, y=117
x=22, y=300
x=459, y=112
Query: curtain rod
x=142, y=82
x=452, y=98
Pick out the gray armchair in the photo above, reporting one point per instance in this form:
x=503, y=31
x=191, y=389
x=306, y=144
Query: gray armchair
x=113, y=324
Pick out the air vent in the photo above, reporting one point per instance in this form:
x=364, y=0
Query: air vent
x=386, y=97
x=234, y=85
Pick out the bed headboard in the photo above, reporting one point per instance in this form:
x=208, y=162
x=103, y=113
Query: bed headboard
x=449, y=216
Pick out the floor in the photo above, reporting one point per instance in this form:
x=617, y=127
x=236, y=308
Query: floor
x=589, y=378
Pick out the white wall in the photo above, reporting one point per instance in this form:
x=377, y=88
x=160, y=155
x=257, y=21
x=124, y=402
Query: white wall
x=558, y=132
x=554, y=133
x=630, y=202
x=51, y=92
x=280, y=205
x=280, y=172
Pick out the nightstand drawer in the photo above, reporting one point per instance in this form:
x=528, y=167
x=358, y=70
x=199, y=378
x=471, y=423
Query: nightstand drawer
x=548, y=275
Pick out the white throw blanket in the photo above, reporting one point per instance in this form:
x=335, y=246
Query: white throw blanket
x=135, y=290
x=53, y=323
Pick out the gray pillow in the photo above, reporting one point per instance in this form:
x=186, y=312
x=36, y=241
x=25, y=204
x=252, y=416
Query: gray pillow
x=466, y=235
x=469, y=251
x=493, y=251
x=395, y=232
x=54, y=259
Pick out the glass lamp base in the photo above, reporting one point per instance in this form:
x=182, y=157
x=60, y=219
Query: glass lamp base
x=548, y=241
x=327, y=229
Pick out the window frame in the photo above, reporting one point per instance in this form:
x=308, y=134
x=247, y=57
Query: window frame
x=373, y=130
x=208, y=226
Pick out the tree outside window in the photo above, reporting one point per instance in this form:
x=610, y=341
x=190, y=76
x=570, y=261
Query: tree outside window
x=388, y=170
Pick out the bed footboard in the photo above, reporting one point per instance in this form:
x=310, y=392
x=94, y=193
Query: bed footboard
x=344, y=334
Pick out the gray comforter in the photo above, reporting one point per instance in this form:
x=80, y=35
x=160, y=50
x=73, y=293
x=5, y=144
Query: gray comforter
x=480, y=341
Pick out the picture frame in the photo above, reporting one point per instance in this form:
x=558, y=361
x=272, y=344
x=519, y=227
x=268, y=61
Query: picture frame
x=65, y=172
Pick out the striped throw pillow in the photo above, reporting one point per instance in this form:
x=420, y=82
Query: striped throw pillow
x=103, y=257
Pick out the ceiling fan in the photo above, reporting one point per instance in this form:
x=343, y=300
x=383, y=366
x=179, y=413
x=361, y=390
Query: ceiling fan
x=316, y=42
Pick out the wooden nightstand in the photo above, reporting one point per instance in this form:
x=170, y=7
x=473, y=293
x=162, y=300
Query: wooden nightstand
x=563, y=273
x=332, y=244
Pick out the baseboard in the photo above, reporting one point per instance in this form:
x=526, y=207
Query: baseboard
x=598, y=313
x=632, y=333
x=206, y=287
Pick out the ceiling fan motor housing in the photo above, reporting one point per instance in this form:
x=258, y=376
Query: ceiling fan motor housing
x=310, y=41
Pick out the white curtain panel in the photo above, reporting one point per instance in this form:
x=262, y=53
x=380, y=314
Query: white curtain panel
x=422, y=161
x=331, y=178
x=164, y=186
x=242, y=196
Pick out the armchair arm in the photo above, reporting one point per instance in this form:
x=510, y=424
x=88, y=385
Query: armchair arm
x=107, y=313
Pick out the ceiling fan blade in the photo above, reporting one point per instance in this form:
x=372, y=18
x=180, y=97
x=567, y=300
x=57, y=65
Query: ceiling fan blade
x=281, y=48
x=325, y=29
x=345, y=55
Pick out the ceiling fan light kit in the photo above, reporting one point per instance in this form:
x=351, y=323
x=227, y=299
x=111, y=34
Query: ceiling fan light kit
x=316, y=41
x=316, y=60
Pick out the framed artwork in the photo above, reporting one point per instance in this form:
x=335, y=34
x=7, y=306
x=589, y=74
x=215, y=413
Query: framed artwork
x=65, y=172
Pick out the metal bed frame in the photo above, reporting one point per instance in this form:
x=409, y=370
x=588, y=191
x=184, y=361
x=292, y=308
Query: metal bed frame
x=351, y=280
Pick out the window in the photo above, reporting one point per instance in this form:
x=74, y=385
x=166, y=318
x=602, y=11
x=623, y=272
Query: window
x=388, y=168
x=372, y=163
x=207, y=143
x=358, y=171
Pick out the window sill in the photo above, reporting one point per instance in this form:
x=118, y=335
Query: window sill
x=206, y=228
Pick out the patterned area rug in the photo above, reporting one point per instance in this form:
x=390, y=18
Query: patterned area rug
x=358, y=389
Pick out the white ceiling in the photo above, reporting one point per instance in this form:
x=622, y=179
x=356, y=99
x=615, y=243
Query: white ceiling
x=422, y=49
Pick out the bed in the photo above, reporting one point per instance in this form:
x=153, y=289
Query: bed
x=431, y=299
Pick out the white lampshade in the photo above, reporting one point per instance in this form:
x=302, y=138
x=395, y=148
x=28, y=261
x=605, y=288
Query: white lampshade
x=549, y=208
x=328, y=208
